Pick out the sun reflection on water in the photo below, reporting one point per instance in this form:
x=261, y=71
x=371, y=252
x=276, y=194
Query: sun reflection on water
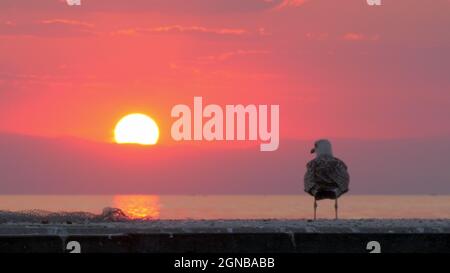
x=138, y=206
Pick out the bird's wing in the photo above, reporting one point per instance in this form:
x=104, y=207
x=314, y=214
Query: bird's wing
x=325, y=172
x=308, y=179
x=334, y=170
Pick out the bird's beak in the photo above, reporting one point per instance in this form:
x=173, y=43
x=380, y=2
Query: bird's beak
x=313, y=150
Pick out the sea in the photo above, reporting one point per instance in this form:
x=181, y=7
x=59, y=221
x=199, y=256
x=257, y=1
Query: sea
x=208, y=207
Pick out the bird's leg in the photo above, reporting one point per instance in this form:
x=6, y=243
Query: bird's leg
x=336, y=208
x=315, y=207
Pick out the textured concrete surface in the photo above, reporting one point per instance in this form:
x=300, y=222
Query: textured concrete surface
x=230, y=236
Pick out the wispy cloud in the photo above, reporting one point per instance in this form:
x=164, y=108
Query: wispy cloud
x=178, y=28
x=67, y=22
x=231, y=54
x=46, y=28
x=290, y=3
x=353, y=36
x=182, y=29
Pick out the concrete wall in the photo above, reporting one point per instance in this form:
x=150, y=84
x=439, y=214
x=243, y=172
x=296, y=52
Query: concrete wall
x=229, y=243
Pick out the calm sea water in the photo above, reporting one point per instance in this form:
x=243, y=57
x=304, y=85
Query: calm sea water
x=236, y=206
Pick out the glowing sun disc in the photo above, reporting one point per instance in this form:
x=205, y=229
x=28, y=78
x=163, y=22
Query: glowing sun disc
x=136, y=129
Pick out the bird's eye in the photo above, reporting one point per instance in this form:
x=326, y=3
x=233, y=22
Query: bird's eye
x=315, y=145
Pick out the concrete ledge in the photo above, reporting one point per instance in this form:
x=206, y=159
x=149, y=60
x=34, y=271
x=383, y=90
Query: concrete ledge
x=230, y=236
x=230, y=243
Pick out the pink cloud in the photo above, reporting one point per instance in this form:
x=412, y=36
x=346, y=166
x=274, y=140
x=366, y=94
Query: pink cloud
x=178, y=28
x=46, y=28
x=291, y=3
x=227, y=55
x=353, y=36
x=67, y=22
x=183, y=29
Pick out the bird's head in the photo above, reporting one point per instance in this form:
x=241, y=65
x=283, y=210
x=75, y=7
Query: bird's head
x=322, y=147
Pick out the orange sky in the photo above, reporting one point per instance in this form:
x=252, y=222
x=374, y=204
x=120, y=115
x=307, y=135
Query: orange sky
x=366, y=77
x=337, y=68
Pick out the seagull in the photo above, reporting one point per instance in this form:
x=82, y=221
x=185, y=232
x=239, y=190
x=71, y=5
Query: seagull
x=326, y=176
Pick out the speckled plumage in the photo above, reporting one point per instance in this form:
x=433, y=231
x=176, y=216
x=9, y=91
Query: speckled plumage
x=326, y=176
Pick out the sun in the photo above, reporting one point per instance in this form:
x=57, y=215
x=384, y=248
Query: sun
x=136, y=129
